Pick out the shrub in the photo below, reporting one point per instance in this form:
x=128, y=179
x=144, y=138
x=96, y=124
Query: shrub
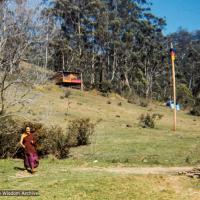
x=144, y=102
x=192, y=156
x=35, y=126
x=148, y=120
x=195, y=111
x=67, y=94
x=119, y=104
x=131, y=101
x=196, y=108
x=88, y=86
x=50, y=140
x=9, y=137
x=108, y=102
x=79, y=132
x=104, y=94
x=184, y=96
x=105, y=87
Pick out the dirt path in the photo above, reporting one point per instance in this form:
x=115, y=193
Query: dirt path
x=119, y=170
x=135, y=170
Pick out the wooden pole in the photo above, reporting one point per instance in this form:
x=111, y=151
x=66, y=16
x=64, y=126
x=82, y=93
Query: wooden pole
x=81, y=81
x=174, y=85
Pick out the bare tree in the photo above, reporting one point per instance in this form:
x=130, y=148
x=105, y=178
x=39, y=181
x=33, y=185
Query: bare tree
x=16, y=35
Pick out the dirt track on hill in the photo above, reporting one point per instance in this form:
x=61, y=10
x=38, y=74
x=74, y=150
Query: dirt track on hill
x=120, y=170
x=135, y=170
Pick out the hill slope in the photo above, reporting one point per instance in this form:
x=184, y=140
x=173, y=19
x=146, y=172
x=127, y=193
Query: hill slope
x=118, y=140
x=104, y=169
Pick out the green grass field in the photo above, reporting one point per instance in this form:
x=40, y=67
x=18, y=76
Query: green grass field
x=57, y=180
x=113, y=142
x=113, y=145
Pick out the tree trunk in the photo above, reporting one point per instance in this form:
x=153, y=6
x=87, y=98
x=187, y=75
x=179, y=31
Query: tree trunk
x=92, y=81
x=127, y=81
x=101, y=74
x=2, y=110
x=79, y=35
x=113, y=65
x=63, y=61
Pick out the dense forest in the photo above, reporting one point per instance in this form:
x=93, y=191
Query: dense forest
x=118, y=45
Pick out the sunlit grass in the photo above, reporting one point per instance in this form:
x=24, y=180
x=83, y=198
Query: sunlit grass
x=113, y=144
x=57, y=180
x=118, y=139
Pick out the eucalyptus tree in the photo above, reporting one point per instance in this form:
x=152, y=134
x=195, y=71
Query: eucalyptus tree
x=114, y=42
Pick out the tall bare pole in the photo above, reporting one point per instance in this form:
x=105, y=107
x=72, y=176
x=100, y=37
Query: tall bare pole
x=81, y=81
x=172, y=52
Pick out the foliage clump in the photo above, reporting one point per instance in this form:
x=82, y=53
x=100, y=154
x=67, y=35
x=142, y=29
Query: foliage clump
x=67, y=94
x=79, y=132
x=196, y=108
x=184, y=96
x=53, y=141
x=148, y=120
x=9, y=137
x=105, y=87
x=50, y=140
x=144, y=102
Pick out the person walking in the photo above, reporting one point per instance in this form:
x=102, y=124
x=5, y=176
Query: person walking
x=28, y=142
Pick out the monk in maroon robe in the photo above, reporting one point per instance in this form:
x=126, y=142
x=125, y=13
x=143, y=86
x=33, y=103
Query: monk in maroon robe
x=28, y=142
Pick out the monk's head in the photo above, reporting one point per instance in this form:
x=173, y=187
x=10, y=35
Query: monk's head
x=28, y=130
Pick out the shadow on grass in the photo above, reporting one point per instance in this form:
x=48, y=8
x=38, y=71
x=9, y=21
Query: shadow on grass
x=22, y=169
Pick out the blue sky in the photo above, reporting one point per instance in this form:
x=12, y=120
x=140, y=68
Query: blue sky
x=178, y=13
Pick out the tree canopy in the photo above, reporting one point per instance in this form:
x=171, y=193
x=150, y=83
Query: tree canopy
x=118, y=45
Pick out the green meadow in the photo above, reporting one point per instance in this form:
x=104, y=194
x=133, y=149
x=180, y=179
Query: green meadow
x=118, y=142
x=58, y=180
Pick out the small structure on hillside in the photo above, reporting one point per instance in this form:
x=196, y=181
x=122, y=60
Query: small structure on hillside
x=170, y=104
x=69, y=78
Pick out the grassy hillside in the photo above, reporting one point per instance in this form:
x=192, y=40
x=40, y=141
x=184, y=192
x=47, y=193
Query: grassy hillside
x=113, y=142
x=57, y=180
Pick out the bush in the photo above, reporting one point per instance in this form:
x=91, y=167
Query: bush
x=79, y=132
x=50, y=140
x=129, y=96
x=148, y=120
x=184, y=96
x=195, y=111
x=108, y=102
x=134, y=99
x=104, y=94
x=144, y=102
x=9, y=137
x=196, y=108
x=192, y=156
x=67, y=94
x=119, y=104
x=105, y=87
x=131, y=101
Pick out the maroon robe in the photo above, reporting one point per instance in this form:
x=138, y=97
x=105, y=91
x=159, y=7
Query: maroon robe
x=30, y=154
